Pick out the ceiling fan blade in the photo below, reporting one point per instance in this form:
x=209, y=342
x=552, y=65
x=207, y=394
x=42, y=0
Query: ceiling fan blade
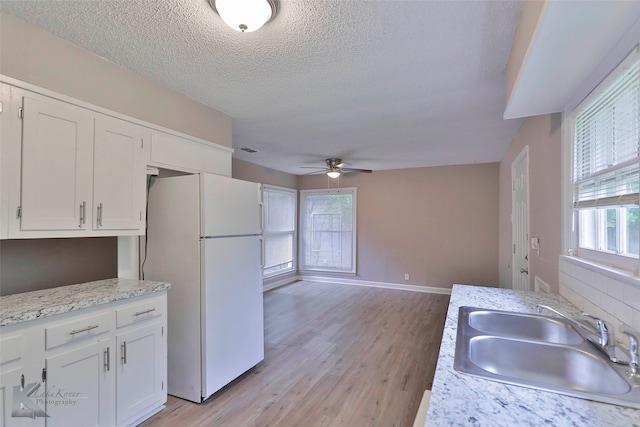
x=312, y=167
x=350, y=170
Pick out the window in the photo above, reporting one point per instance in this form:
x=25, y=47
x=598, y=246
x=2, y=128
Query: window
x=279, y=229
x=606, y=178
x=328, y=230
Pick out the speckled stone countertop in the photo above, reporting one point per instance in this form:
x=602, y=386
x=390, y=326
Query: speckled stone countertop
x=462, y=400
x=48, y=302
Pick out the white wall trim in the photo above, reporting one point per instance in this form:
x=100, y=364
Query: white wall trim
x=338, y=280
x=276, y=284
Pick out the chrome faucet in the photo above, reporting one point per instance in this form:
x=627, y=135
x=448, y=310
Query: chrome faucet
x=605, y=341
x=634, y=370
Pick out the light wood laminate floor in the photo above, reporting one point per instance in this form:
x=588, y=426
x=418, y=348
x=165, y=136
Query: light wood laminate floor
x=335, y=355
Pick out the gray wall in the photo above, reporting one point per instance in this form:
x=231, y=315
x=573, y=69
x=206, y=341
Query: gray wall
x=35, y=56
x=438, y=224
x=28, y=265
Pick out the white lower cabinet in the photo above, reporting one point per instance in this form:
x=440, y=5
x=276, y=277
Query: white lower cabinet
x=141, y=363
x=79, y=369
x=20, y=383
x=80, y=385
x=11, y=399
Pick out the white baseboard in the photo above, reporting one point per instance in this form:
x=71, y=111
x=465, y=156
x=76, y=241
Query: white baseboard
x=397, y=286
x=278, y=283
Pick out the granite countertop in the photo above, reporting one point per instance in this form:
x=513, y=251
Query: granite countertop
x=48, y=302
x=462, y=400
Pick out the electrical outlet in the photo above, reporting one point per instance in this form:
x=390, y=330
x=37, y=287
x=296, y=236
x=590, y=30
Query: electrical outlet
x=406, y=276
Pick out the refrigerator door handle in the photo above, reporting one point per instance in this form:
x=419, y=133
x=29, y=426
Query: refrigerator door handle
x=261, y=217
x=261, y=251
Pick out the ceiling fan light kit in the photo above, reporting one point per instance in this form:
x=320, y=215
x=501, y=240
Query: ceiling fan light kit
x=333, y=174
x=245, y=15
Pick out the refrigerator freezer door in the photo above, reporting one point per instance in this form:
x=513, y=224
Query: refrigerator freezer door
x=232, y=207
x=233, y=324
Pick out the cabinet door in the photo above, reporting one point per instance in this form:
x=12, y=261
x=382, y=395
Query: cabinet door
x=119, y=175
x=21, y=407
x=57, y=163
x=80, y=386
x=141, y=372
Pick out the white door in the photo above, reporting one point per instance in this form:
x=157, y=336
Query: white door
x=80, y=386
x=119, y=175
x=141, y=366
x=57, y=164
x=520, y=220
x=233, y=326
x=231, y=207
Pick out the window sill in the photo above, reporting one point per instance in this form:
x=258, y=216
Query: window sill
x=619, y=275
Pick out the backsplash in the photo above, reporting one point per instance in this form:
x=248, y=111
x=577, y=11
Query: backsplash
x=607, y=294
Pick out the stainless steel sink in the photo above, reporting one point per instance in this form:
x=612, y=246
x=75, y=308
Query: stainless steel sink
x=524, y=326
x=540, y=352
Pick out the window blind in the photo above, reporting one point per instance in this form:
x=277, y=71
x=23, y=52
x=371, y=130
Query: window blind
x=607, y=131
x=327, y=230
x=279, y=229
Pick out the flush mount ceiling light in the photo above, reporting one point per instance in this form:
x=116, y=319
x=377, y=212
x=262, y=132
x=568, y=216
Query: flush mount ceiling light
x=245, y=15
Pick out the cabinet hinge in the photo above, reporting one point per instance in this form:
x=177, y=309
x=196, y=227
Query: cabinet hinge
x=20, y=112
x=44, y=374
x=0, y=106
x=19, y=212
x=514, y=248
x=140, y=215
x=163, y=331
x=163, y=385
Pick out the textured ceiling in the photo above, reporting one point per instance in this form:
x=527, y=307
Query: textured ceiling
x=382, y=84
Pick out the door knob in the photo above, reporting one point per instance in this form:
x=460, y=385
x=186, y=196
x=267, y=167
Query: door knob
x=524, y=270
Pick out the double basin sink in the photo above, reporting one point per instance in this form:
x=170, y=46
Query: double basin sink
x=540, y=352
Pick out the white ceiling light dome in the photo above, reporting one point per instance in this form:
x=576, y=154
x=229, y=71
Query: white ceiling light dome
x=245, y=15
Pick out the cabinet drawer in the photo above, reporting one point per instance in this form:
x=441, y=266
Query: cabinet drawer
x=77, y=330
x=140, y=312
x=10, y=348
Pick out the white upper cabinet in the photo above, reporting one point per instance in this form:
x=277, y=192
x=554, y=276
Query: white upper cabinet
x=72, y=169
x=57, y=163
x=119, y=175
x=73, y=172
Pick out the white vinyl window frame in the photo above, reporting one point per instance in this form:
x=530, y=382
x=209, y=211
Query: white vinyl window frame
x=273, y=234
x=306, y=230
x=597, y=202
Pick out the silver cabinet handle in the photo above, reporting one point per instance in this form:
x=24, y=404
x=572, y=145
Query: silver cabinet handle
x=124, y=353
x=88, y=328
x=83, y=208
x=140, y=313
x=107, y=359
x=99, y=220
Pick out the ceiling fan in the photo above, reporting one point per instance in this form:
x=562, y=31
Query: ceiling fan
x=336, y=167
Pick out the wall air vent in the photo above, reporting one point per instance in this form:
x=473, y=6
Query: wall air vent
x=249, y=150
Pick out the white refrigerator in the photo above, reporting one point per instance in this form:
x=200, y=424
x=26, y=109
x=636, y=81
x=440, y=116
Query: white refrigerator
x=204, y=237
